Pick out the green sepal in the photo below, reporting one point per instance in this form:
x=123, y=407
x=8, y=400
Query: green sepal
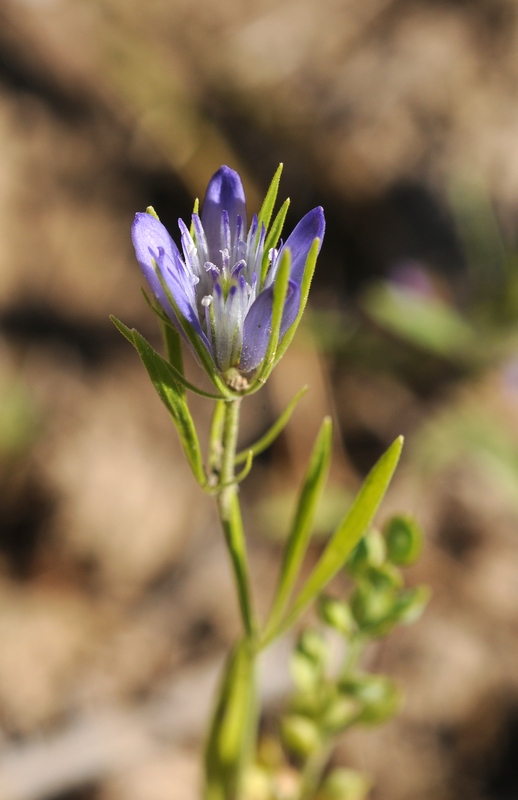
x=164, y=380
x=404, y=539
x=273, y=237
x=231, y=734
x=152, y=213
x=265, y=214
x=348, y=533
x=280, y=291
x=178, y=376
x=271, y=434
x=194, y=211
x=199, y=348
x=173, y=349
x=301, y=528
x=309, y=271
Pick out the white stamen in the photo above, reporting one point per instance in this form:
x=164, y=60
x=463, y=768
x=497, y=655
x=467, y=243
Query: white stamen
x=207, y=300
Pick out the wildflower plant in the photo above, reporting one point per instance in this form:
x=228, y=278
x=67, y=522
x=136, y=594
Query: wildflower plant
x=235, y=293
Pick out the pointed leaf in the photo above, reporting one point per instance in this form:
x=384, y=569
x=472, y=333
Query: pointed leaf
x=300, y=533
x=164, y=380
x=198, y=345
x=271, y=434
x=280, y=291
x=265, y=213
x=348, y=533
x=232, y=730
x=273, y=237
x=122, y=328
x=173, y=348
x=309, y=271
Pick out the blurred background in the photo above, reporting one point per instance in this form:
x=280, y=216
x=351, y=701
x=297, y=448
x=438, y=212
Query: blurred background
x=400, y=117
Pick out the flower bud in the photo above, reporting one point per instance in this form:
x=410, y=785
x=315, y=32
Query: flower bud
x=404, y=540
x=378, y=695
x=336, y=614
x=344, y=784
x=300, y=735
x=369, y=552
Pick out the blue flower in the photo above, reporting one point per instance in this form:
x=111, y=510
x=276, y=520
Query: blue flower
x=218, y=283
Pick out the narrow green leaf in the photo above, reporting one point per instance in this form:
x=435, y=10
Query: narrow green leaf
x=300, y=533
x=348, y=533
x=265, y=213
x=309, y=271
x=173, y=349
x=175, y=374
x=246, y=469
x=273, y=238
x=122, y=328
x=197, y=344
x=231, y=735
x=280, y=290
x=152, y=213
x=194, y=211
x=166, y=386
x=271, y=434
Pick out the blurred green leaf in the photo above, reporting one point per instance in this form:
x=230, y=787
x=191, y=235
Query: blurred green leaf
x=424, y=322
x=232, y=730
x=300, y=533
x=349, y=531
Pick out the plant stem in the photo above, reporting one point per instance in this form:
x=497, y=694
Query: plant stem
x=229, y=510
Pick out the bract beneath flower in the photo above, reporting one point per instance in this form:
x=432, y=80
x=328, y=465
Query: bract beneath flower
x=216, y=286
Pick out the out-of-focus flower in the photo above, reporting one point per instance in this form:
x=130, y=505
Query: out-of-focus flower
x=217, y=284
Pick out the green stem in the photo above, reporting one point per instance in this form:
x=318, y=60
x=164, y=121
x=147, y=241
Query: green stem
x=229, y=510
x=313, y=771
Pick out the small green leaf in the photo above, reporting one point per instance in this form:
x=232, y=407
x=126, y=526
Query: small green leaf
x=199, y=347
x=265, y=213
x=164, y=380
x=273, y=238
x=300, y=533
x=265, y=441
x=152, y=213
x=194, y=211
x=348, y=533
x=309, y=271
x=280, y=290
x=404, y=539
x=122, y=328
x=232, y=729
x=173, y=347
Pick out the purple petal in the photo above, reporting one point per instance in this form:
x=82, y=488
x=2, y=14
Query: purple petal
x=224, y=193
x=310, y=227
x=258, y=325
x=152, y=242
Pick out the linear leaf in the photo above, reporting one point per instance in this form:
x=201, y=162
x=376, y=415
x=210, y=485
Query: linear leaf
x=271, y=434
x=162, y=378
x=173, y=349
x=300, y=533
x=273, y=237
x=265, y=213
x=309, y=271
x=347, y=535
x=175, y=374
x=232, y=728
x=193, y=337
x=280, y=291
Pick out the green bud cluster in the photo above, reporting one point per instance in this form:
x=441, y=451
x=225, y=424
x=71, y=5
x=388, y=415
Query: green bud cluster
x=328, y=700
